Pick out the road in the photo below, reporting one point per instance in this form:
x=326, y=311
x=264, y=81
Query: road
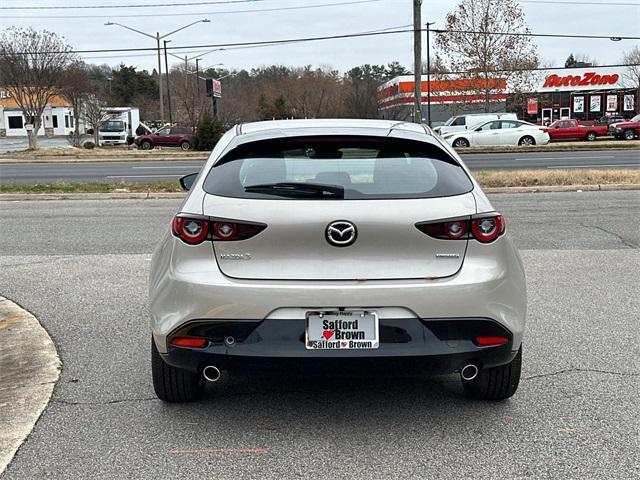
x=150, y=171
x=81, y=267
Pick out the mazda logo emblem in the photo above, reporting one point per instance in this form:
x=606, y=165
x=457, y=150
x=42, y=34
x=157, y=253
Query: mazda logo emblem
x=341, y=233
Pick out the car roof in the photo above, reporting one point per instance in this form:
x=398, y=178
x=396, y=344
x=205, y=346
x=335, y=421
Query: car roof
x=345, y=125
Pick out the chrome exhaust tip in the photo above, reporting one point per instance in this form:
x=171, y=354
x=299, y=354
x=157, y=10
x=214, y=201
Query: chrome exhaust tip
x=211, y=373
x=469, y=372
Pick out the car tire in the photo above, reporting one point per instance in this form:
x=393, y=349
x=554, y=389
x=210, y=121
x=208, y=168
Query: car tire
x=185, y=145
x=591, y=136
x=526, y=141
x=629, y=134
x=172, y=384
x=461, y=143
x=146, y=145
x=498, y=383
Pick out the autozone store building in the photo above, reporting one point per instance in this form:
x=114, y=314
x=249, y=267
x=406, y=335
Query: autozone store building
x=57, y=118
x=582, y=93
x=448, y=98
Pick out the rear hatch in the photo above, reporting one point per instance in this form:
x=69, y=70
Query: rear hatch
x=387, y=187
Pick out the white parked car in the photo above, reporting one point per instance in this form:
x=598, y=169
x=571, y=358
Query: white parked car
x=498, y=133
x=460, y=123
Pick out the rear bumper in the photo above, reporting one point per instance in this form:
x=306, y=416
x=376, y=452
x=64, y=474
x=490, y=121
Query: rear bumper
x=186, y=285
x=407, y=344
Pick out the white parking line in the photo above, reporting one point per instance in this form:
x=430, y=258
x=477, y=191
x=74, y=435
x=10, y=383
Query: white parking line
x=596, y=165
x=174, y=166
x=143, y=176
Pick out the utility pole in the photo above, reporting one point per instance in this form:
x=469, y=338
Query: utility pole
x=417, y=60
x=429, y=73
x=166, y=67
x=160, y=81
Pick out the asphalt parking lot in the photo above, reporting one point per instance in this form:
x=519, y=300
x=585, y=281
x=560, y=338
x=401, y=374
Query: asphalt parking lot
x=81, y=268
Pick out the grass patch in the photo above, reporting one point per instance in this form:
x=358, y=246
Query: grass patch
x=536, y=178
x=117, y=151
x=93, y=187
x=487, y=178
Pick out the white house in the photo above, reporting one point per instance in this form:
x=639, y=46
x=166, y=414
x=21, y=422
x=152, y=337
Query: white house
x=57, y=119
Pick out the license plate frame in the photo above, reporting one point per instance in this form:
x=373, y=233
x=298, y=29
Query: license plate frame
x=345, y=336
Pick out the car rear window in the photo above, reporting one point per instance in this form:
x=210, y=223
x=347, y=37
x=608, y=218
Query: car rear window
x=363, y=167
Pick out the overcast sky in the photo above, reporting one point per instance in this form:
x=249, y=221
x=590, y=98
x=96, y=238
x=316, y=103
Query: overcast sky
x=242, y=22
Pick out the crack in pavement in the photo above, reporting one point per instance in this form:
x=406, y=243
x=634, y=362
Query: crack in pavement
x=581, y=370
x=108, y=402
x=532, y=377
x=623, y=240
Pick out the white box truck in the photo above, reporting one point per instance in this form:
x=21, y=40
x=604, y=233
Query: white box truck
x=120, y=124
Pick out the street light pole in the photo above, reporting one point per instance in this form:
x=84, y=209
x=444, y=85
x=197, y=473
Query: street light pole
x=417, y=61
x=157, y=37
x=429, y=73
x=166, y=67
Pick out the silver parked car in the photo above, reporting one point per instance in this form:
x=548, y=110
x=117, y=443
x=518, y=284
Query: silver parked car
x=336, y=244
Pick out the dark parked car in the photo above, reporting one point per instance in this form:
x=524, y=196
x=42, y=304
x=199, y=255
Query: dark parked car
x=166, y=137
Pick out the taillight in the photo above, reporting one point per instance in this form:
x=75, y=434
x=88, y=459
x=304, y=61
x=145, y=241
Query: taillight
x=195, y=230
x=190, y=230
x=485, y=228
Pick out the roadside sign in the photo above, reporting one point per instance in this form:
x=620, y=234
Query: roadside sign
x=214, y=88
x=28, y=127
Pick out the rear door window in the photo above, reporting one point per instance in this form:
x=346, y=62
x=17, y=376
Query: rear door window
x=356, y=167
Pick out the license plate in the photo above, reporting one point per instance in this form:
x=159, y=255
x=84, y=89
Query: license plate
x=333, y=330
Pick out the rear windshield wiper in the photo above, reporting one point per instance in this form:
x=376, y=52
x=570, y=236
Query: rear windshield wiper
x=298, y=190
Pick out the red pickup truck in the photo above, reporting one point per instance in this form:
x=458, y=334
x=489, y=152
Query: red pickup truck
x=627, y=130
x=572, y=130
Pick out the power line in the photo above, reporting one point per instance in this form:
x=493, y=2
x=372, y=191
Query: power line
x=145, y=5
x=203, y=52
x=331, y=37
x=179, y=14
x=578, y=2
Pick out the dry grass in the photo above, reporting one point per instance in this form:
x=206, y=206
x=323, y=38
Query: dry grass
x=535, y=178
x=72, y=152
x=93, y=187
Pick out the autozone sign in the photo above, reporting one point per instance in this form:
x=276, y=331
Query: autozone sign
x=583, y=80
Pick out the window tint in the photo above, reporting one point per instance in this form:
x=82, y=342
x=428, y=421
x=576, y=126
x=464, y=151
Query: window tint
x=179, y=131
x=365, y=167
x=510, y=124
x=490, y=126
x=458, y=121
x=163, y=131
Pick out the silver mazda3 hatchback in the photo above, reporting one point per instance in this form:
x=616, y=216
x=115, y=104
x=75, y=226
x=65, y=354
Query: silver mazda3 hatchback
x=324, y=244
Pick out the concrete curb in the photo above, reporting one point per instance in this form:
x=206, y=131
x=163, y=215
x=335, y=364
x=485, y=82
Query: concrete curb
x=29, y=369
x=13, y=197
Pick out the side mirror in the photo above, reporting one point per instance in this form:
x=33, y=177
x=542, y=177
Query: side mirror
x=186, y=182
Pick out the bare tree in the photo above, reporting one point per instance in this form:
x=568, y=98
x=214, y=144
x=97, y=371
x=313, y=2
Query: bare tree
x=93, y=115
x=487, y=44
x=32, y=66
x=77, y=89
x=631, y=76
